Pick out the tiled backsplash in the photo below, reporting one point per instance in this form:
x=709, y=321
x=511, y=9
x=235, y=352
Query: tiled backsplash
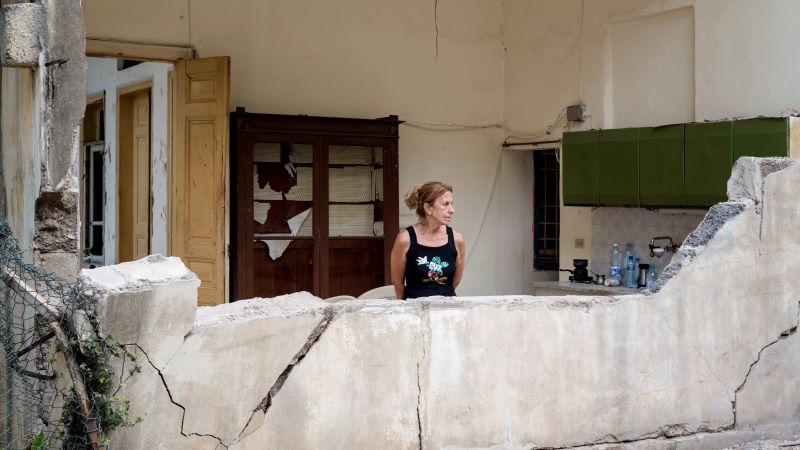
x=639, y=226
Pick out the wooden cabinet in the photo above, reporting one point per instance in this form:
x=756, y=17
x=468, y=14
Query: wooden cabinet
x=708, y=162
x=675, y=165
x=314, y=200
x=618, y=163
x=768, y=136
x=579, y=157
x=661, y=166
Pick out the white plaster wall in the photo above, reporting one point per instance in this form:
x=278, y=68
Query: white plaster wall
x=652, y=70
x=103, y=78
x=744, y=58
x=439, y=69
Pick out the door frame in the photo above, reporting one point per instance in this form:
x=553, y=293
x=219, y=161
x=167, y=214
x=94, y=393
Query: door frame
x=103, y=48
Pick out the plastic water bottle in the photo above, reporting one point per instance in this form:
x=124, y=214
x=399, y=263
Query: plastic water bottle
x=628, y=253
x=615, y=265
x=630, y=278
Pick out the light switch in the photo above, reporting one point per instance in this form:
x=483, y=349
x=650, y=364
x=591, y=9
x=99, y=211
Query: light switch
x=578, y=243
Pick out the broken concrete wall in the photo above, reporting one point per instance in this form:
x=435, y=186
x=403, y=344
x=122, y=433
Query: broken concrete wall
x=43, y=101
x=706, y=360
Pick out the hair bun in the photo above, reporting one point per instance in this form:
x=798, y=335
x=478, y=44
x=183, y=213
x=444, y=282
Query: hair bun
x=411, y=197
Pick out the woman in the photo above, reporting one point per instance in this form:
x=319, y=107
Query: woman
x=428, y=257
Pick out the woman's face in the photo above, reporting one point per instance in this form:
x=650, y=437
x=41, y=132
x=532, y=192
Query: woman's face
x=441, y=210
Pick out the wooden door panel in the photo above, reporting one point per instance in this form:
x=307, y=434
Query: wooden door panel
x=141, y=189
x=356, y=266
x=292, y=272
x=133, y=177
x=199, y=183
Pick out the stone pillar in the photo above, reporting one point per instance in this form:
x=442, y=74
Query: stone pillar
x=43, y=100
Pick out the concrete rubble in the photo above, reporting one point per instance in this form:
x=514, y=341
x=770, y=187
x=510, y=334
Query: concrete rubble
x=707, y=360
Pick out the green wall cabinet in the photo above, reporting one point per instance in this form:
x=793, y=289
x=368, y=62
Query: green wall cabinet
x=579, y=158
x=673, y=165
x=708, y=162
x=661, y=166
x=761, y=137
x=619, y=167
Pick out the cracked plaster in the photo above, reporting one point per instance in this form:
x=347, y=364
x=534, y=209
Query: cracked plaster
x=699, y=361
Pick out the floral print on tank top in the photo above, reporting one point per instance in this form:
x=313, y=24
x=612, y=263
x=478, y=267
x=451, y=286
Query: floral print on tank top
x=435, y=266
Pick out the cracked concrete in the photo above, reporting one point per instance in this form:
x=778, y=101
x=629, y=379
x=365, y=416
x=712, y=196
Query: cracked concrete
x=263, y=407
x=707, y=361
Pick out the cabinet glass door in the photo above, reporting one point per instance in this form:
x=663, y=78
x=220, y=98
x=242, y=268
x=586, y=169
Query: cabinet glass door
x=283, y=192
x=355, y=219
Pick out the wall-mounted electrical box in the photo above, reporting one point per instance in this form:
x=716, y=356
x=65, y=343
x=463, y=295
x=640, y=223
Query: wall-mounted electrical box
x=575, y=113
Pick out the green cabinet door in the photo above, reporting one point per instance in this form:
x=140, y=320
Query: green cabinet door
x=579, y=159
x=707, y=162
x=619, y=167
x=661, y=166
x=761, y=137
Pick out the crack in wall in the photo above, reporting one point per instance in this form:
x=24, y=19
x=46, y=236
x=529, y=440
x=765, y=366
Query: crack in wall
x=682, y=430
x=266, y=402
x=436, y=26
x=502, y=35
x=665, y=433
x=784, y=335
x=419, y=420
x=172, y=400
x=424, y=325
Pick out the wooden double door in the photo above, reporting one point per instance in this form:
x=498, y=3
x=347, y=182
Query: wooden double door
x=314, y=204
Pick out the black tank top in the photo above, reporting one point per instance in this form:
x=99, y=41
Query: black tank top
x=430, y=270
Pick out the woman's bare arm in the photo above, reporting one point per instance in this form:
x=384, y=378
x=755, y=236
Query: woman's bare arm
x=401, y=244
x=461, y=246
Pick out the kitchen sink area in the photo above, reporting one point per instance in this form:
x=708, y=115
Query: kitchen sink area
x=553, y=288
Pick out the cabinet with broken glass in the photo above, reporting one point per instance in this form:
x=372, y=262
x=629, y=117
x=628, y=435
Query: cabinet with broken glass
x=319, y=196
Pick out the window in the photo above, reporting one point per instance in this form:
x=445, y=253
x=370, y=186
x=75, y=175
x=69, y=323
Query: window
x=93, y=186
x=93, y=189
x=545, y=210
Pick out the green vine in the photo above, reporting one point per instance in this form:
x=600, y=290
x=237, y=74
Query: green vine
x=109, y=409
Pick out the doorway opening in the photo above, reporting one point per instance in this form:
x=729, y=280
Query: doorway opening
x=92, y=183
x=546, y=209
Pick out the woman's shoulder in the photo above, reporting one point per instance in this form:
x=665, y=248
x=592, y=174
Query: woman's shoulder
x=403, y=237
x=459, y=238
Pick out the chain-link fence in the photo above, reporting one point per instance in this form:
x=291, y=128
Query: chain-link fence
x=56, y=382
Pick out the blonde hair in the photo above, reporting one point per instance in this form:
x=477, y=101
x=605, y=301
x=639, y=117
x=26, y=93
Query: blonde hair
x=417, y=196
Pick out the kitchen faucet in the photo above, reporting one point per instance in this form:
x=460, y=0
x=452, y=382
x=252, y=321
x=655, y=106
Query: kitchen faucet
x=658, y=251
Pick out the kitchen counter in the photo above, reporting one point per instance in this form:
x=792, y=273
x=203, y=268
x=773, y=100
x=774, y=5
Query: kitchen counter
x=550, y=288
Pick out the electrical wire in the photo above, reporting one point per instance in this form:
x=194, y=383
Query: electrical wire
x=485, y=210
x=449, y=127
